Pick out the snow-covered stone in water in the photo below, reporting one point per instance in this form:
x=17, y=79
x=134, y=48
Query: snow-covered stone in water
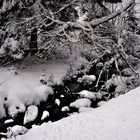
x=45, y=115
x=65, y=108
x=101, y=103
x=9, y=121
x=30, y=114
x=15, y=131
x=57, y=102
x=81, y=103
x=87, y=94
x=62, y=96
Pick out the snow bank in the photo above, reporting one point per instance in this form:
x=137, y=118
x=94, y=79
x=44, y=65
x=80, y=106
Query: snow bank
x=118, y=119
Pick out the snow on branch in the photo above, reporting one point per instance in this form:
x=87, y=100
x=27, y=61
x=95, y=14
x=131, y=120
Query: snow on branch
x=113, y=15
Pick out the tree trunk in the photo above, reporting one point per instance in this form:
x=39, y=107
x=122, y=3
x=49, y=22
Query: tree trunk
x=33, y=41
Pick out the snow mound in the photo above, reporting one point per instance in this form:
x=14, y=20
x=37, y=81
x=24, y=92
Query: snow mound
x=118, y=119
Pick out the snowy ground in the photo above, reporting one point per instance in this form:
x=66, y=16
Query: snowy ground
x=119, y=119
x=33, y=73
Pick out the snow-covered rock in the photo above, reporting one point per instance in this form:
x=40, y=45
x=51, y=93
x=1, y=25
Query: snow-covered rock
x=81, y=103
x=57, y=102
x=9, y=121
x=87, y=79
x=45, y=115
x=30, y=114
x=87, y=94
x=65, y=108
x=16, y=130
x=62, y=96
